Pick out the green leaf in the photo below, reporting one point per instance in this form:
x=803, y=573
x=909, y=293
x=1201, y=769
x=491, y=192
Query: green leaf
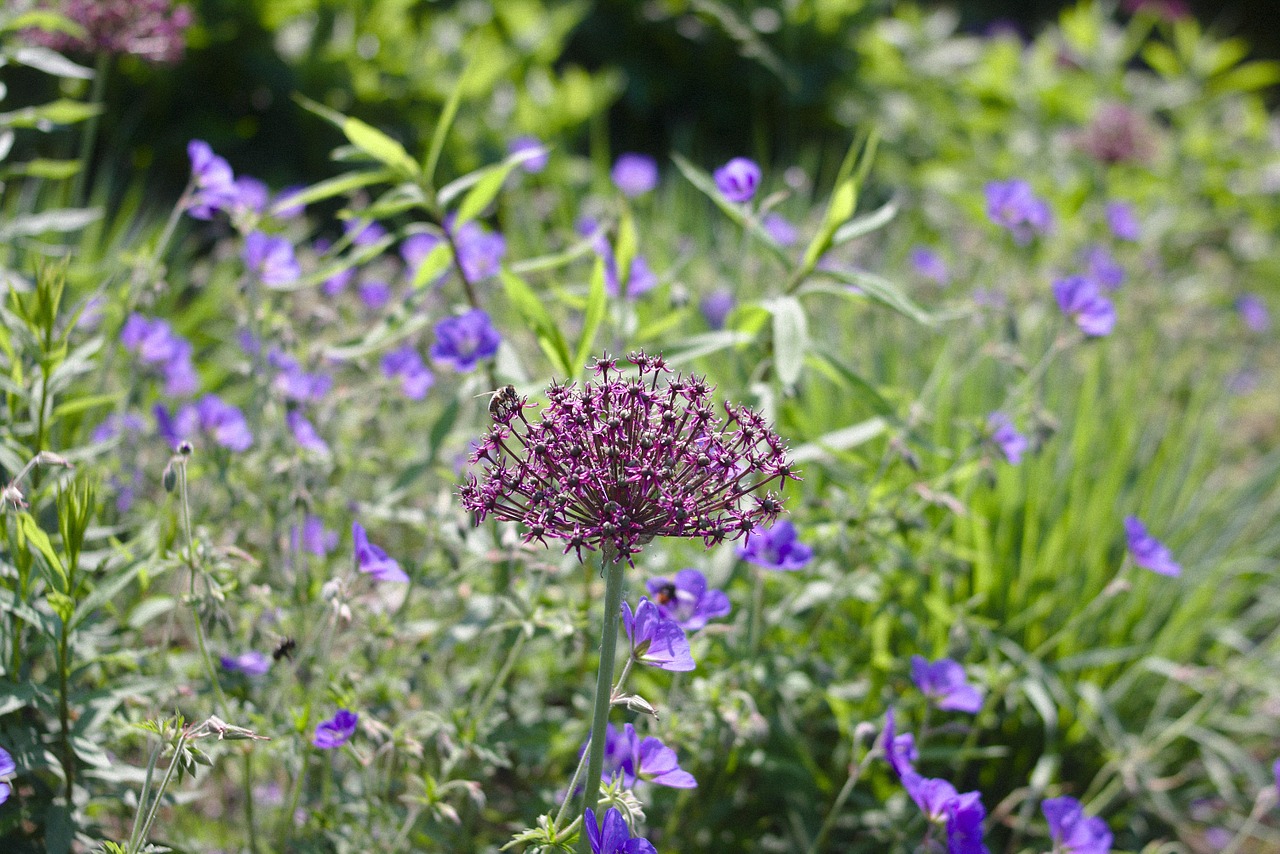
x=530, y=307
x=707, y=343
x=790, y=337
x=81, y=404
x=872, y=286
x=841, y=206
x=61, y=604
x=840, y=440
x=873, y=221
x=830, y=365
x=436, y=262
x=365, y=137
x=1162, y=59
x=53, y=170
x=63, y=111
x=51, y=62
x=104, y=593
x=336, y=186
x=593, y=316
x=447, y=115
x=478, y=197
x=59, y=219
x=1249, y=77
x=38, y=538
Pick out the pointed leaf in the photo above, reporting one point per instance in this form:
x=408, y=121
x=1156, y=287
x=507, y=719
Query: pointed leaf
x=790, y=338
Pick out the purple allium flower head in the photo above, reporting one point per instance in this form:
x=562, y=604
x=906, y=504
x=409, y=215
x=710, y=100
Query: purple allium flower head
x=655, y=640
x=929, y=265
x=374, y=293
x=943, y=682
x=7, y=769
x=687, y=600
x=623, y=460
x=738, y=179
x=415, y=377
x=716, y=307
x=1253, y=311
x=780, y=229
x=373, y=560
x=612, y=836
x=305, y=433
x=646, y=759
x=315, y=537
x=1012, y=204
x=363, y=232
x=251, y=194
x=1007, y=438
x=152, y=30
x=480, y=251
x=251, y=663
x=1148, y=552
x=775, y=548
x=225, y=422
x=1116, y=134
x=1102, y=268
x=270, y=259
x=1082, y=301
x=1072, y=831
x=336, y=731
x=537, y=162
x=1122, y=221
x=214, y=183
x=634, y=174
x=462, y=341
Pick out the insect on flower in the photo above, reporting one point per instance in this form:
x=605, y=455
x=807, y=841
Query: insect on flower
x=284, y=649
x=503, y=403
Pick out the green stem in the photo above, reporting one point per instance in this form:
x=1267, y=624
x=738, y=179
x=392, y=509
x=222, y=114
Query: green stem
x=286, y=822
x=855, y=771
x=251, y=834
x=604, y=687
x=191, y=590
x=757, y=607
x=582, y=760
x=64, y=714
x=90, y=134
x=482, y=709
x=164, y=784
x=142, y=799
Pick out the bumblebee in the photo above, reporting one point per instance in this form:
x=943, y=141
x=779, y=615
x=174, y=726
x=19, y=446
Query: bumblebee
x=284, y=649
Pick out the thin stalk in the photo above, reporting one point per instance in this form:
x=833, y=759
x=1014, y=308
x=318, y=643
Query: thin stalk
x=754, y=628
x=64, y=713
x=582, y=760
x=482, y=708
x=142, y=799
x=295, y=794
x=604, y=687
x=251, y=833
x=191, y=590
x=164, y=784
x=90, y=135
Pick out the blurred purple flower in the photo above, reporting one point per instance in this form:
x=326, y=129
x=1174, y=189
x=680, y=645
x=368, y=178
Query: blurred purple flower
x=224, y=422
x=537, y=162
x=252, y=663
x=7, y=769
x=738, y=179
x=117, y=423
x=214, y=183
x=716, y=307
x=314, y=536
x=415, y=249
x=251, y=194
x=462, y=341
x=1072, y=831
x=291, y=210
x=1007, y=438
x=646, y=759
x=655, y=640
x=943, y=682
x=363, y=232
x=929, y=265
x=374, y=293
x=780, y=229
x=1102, y=269
x=1122, y=221
x=640, y=280
x=270, y=259
x=373, y=560
x=480, y=251
x=336, y=731
x=1013, y=205
x=1117, y=134
x=1080, y=299
x=415, y=377
x=776, y=548
x=156, y=344
x=179, y=427
x=305, y=433
x=634, y=174
x=152, y=30
x=1253, y=311
x=686, y=599
x=293, y=383
x=1147, y=551
x=612, y=836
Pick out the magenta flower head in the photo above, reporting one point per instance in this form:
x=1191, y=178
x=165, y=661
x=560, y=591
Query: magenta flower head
x=214, y=184
x=612, y=836
x=464, y=340
x=646, y=759
x=622, y=460
x=1072, y=831
x=7, y=769
x=1147, y=551
x=776, y=548
x=336, y=731
x=943, y=682
x=373, y=560
x=270, y=259
x=252, y=663
x=687, y=600
x=655, y=640
x=1082, y=301
x=738, y=179
x=1012, y=204
x=1006, y=437
x=634, y=174
x=152, y=30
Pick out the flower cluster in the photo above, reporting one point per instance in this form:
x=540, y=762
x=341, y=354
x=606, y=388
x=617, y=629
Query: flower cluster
x=611, y=835
x=152, y=30
x=778, y=547
x=156, y=344
x=620, y=461
x=1072, y=831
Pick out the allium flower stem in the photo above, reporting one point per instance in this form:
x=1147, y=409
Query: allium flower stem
x=604, y=687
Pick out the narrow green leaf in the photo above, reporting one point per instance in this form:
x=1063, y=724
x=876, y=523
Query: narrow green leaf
x=436, y=262
x=81, y=404
x=365, y=137
x=441, y=131
x=790, y=338
x=737, y=213
x=840, y=440
x=63, y=111
x=51, y=62
x=707, y=343
x=335, y=186
x=862, y=225
x=38, y=538
x=53, y=170
x=479, y=196
x=625, y=248
x=527, y=303
x=60, y=219
x=841, y=206
x=857, y=283
x=592, y=317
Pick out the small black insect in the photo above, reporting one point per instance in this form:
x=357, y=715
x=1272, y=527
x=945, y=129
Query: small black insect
x=504, y=403
x=665, y=594
x=284, y=649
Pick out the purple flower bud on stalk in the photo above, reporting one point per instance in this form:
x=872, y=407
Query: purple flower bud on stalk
x=1072, y=831
x=1011, y=443
x=305, y=433
x=780, y=229
x=215, y=184
x=535, y=163
x=929, y=264
x=634, y=174
x=622, y=460
x=464, y=340
x=655, y=640
x=943, y=682
x=1122, y=221
x=1147, y=551
x=686, y=599
x=716, y=307
x=776, y=548
x=1080, y=299
x=738, y=179
x=1253, y=311
x=252, y=663
x=1012, y=204
x=373, y=560
x=336, y=731
x=612, y=836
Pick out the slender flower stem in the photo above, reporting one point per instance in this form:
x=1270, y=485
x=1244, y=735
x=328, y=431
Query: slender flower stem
x=194, y=570
x=159, y=796
x=90, y=134
x=251, y=833
x=604, y=686
x=481, y=709
x=757, y=607
x=855, y=771
x=582, y=760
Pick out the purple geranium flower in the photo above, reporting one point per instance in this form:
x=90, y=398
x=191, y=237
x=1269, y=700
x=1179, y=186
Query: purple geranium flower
x=336, y=731
x=780, y=229
x=738, y=179
x=415, y=249
x=178, y=427
x=943, y=682
x=1012, y=204
x=251, y=195
x=687, y=600
x=775, y=548
x=646, y=759
x=374, y=293
x=116, y=424
x=252, y=663
x=270, y=259
x=1072, y=831
x=640, y=280
x=314, y=536
x=225, y=422
x=480, y=251
x=464, y=340
x=635, y=174
x=156, y=344
x=1148, y=552
x=612, y=836
x=536, y=162
x=363, y=232
x=1082, y=301
x=7, y=769
x=293, y=383
x=716, y=307
x=373, y=560
x=1011, y=443
x=1102, y=268
x=415, y=377
x=1253, y=311
x=305, y=433
x=1122, y=221
x=655, y=640
x=930, y=265
x=214, y=184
